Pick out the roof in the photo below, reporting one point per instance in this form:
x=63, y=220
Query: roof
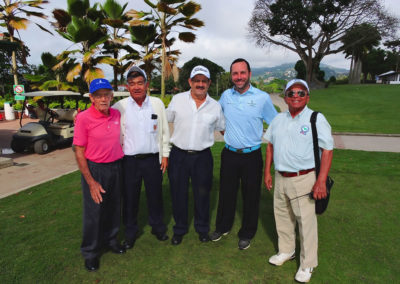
x=387, y=73
x=51, y=94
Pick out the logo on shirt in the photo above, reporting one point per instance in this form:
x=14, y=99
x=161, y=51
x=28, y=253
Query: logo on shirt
x=304, y=129
x=252, y=103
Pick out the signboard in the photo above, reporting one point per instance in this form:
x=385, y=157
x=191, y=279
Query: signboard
x=19, y=98
x=18, y=89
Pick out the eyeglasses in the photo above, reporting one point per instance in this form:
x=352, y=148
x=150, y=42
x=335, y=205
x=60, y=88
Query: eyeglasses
x=291, y=94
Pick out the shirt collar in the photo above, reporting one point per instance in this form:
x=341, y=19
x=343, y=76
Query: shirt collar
x=97, y=114
x=145, y=102
x=207, y=97
x=249, y=91
x=298, y=116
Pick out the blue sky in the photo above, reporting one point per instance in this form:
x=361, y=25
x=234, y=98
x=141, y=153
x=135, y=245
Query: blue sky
x=223, y=39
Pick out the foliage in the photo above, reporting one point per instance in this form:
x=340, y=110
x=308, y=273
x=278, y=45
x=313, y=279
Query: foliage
x=215, y=73
x=14, y=16
x=274, y=87
x=168, y=15
x=313, y=29
x=300, y=68
x=170, y=85
x=41, y=234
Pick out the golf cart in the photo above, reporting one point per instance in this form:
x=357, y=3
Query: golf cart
x=55, y=129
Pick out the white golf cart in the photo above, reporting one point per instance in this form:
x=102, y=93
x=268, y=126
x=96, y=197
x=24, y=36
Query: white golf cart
x=54, y=130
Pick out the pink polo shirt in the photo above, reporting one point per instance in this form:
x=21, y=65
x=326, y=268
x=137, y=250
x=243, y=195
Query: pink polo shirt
x=99, y=134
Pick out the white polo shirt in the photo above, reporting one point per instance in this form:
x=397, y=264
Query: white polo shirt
x=140, y=128
x=292, y=140
x=194, y=127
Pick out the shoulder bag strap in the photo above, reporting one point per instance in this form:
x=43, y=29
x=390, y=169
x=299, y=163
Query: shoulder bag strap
x=313, y=121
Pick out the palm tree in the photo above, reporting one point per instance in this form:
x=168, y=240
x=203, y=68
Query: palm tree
x=116, y=22
x=82, y=25
x=14, y=16
x=167, y=15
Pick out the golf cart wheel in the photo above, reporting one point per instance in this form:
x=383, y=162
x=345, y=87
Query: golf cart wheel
x=41, y=147
x=16, y=147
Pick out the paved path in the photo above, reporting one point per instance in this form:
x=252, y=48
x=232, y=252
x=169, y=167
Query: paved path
x=31, y=169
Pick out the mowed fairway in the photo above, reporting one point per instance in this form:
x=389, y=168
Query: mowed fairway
x=40, y=235
x=360, y=108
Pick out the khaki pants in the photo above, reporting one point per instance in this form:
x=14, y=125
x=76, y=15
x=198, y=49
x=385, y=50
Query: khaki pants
x=288, y=209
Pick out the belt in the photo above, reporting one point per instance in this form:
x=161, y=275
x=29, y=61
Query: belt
x=243, y=150
x=190, y=151
x=299, y=173
x=143, y=156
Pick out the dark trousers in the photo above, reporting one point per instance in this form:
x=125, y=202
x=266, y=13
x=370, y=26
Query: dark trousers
x=101, y=221
x=197, y=167
x=246, y=169
x=136, y=170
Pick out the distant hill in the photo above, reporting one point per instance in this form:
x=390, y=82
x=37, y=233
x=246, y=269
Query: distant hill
x=286, y=71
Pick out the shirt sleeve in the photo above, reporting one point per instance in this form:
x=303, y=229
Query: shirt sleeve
x=221, y=121
x=325, y=139
x=269, y=111
x=222, y=100
x=171, y=110
x=80, y=131
x=268, y=134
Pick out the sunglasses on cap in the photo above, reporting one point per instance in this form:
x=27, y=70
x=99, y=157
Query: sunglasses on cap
x=291, y=94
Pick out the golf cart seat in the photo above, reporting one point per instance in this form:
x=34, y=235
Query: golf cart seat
x=65, y=119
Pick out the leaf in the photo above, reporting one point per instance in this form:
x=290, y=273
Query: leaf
x=187, y=37
x=106, y=60
x=163, y=7
x=19, y=23
x=93, y=73
x=74, y=71
x=190, y=8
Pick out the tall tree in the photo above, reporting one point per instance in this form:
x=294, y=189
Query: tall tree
x=167, y=15
x=358, y=49
x=117, y=23
x=314, y=28
x=14, y=16
x=394, y=45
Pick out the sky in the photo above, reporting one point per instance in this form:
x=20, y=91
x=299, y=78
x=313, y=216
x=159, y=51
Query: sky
x=224, y=37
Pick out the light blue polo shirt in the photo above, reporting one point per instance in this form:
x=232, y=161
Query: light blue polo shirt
x=292, y=140
x=244, y=115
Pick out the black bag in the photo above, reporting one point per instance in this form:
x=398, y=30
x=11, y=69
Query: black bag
x=320, y=204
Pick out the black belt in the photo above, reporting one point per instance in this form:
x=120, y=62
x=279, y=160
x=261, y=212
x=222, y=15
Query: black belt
x=190, y=151
x=299, y=173
x=142, y=156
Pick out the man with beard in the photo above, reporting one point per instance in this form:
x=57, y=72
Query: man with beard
x=195, y=116
x=245, y=108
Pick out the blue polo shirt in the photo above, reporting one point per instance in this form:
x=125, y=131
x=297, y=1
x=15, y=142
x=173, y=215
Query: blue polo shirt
x=244, y=115
x=292, y=140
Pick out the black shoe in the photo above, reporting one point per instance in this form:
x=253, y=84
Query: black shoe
x=161, y=236
x=117, y=248
x=244, y=244
x=176, y=239
x=92, y=264
x=128, y=243
x=216, y=236
x=203, y=237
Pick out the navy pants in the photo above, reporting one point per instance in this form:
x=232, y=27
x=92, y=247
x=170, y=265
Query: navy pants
x=136, y=170
x=197, y=167
x=236, y=169
x=101, y=221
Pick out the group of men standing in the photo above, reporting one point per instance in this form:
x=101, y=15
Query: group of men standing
x=119, y=147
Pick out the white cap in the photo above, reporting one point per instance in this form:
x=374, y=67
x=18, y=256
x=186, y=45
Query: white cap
x=297, y=82
x=199, y=69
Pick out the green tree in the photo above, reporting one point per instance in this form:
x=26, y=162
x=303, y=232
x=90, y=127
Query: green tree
x=14, y=16
x=357, y=48
x=394, y=45
x=313, y=29
x=300, y=68
x=82, y=25
x=215, y=73
x=167, y=15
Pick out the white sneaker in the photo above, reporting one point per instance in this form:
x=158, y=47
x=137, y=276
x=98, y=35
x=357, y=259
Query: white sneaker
x=281, y=258
x=303, y=275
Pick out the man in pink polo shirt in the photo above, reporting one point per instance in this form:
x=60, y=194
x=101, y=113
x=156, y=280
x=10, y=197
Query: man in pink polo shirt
x=98, y=153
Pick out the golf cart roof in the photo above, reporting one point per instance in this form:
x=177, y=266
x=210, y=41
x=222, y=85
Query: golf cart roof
x=51, y=93
x=116, y=94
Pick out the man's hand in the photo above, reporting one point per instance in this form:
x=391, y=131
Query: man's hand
x=95, y=191
x=319, y=190
x=164, y=164
x=268, y=181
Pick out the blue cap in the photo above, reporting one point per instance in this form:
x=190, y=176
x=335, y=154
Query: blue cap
x=98, y=84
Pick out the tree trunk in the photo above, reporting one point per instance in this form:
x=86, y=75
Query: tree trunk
x=311, y=67
x=163, y=55
x=356, y=73
x=115, y=70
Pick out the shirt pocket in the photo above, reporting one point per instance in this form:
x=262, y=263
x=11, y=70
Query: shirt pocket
x=208, y=119
x=301, y=142
x=153, y=126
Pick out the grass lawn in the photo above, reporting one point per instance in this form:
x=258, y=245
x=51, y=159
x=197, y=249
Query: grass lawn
x=40, y=235
x=360, y=108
